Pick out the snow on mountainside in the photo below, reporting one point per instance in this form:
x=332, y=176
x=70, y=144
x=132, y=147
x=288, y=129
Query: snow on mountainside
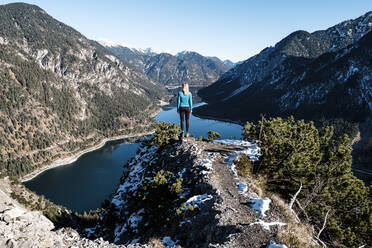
x=170, y=68
x=147, y=51
x=298, y=44
x=346, y=73
x=274, y=76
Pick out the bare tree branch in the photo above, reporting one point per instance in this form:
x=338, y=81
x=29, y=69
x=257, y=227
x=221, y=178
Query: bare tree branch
x=323, y=244
x=324, y=223
x=321, y=230
x=294, y=197
x=302, y=209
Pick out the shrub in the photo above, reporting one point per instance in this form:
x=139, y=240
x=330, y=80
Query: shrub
x=160, y=196
x=295, y=152
x=165, y=133
x=212, y=135
x=244, y=166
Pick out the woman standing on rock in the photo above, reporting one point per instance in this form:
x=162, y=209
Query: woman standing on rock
x=184, y=107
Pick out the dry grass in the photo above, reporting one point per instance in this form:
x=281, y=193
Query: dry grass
x=156, y=243
x=257, y=184
x=294, y=234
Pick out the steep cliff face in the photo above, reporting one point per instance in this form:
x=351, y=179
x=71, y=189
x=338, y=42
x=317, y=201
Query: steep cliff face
x=272, y=81
x=58, y=87
x=172, y=70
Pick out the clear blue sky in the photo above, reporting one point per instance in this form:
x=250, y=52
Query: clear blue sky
x=230, y=29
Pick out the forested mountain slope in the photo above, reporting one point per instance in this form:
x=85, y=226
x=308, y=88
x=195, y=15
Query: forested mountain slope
x=324, y=73
x=60, y=91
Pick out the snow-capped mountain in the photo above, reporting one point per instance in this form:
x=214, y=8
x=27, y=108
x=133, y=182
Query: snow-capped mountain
x=229, y=62
x=148, y=51
x=169, y=68
x=226, y=61
x=290, y=78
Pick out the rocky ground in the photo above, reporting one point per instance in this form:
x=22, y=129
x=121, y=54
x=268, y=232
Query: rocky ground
x=227, y=210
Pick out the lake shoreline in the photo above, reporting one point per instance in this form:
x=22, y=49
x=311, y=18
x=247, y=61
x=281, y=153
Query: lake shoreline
x=73, y=158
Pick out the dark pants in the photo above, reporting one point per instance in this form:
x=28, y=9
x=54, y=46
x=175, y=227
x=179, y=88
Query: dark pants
x=185, y=111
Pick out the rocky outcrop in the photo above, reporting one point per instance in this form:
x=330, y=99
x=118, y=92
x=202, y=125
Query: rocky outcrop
x=20, y=227
x=212, y=206
x=180, y=195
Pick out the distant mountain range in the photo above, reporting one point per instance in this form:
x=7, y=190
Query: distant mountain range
x=171, y=69
x=326, y=73
x=58, y=87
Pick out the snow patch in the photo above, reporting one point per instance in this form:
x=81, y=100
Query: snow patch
x=242, y=188
x=147, y=51
x=135, y=177
x=135, y=218
x=207, y=165
x=266, y=225
x=168, y=242
x=237, y=91
x=134, y=241
x=230, y=162
x=119, y=230
x=274, y=245
x=3, y=41
x=260, y=205
x=109, y=43
x=197, y=200
x=184, y=222
x=251, y=150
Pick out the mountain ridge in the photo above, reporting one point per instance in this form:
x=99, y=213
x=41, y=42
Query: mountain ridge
x=171, y=69
x=61, y=88
x=271, y=69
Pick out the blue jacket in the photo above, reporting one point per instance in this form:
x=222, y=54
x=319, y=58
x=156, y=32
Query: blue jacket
x=184, y=101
